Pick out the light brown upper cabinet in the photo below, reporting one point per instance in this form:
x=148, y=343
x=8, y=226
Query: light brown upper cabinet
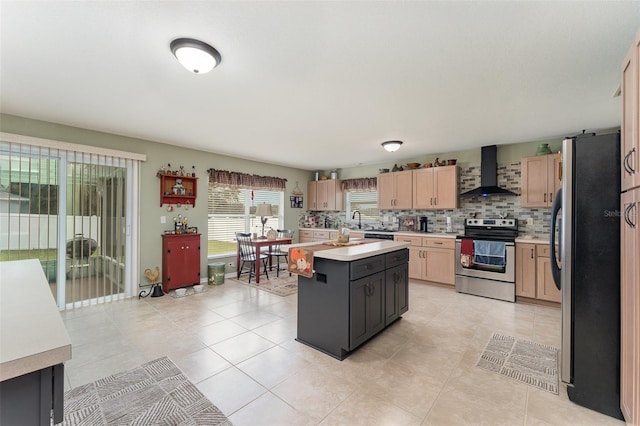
x=435, y=188
x=541, y=179
x=630, y=152
x=395, y=190
x=325, y=195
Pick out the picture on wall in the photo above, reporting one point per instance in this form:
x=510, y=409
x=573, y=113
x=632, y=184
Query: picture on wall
x=296, y=201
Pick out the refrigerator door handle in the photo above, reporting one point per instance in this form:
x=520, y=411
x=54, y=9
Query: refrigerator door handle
x=555, y=268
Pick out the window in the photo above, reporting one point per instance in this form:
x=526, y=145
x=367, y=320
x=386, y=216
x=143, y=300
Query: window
x=232, y=210
x=366, y=203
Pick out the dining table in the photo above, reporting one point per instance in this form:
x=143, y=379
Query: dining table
x=258, y=243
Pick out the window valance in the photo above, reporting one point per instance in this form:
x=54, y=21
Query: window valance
x=229, y=179
x=360, y=184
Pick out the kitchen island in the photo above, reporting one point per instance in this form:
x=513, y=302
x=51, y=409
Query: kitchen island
x=355, y=293
x=34, y=344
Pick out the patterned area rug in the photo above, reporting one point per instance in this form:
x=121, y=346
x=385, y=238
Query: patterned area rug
x=529, y=362
x=154, y=393
x=285, y=285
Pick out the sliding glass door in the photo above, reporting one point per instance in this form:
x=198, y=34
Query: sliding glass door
x=73, y=211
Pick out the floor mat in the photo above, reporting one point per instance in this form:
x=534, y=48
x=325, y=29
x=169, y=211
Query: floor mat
x=532, y=363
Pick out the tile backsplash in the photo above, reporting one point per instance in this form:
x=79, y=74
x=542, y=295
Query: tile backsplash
x=482, y=207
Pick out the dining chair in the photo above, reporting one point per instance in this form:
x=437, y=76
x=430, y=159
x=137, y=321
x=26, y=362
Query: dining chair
x=248, y=255
x=278, y=251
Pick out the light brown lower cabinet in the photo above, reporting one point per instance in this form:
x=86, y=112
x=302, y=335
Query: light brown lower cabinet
x=533, y=273
x=310, y=235
x=431, y=258
x=630, y=308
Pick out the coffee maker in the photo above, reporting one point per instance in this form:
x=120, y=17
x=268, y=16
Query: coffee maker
x=424, y=224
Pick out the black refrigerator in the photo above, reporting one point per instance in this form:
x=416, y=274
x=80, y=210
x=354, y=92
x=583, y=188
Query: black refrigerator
x=586, y=216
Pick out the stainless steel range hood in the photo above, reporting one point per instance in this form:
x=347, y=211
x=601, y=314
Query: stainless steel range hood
x=488, y=175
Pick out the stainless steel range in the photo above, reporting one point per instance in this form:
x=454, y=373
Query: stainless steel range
x=485, y=258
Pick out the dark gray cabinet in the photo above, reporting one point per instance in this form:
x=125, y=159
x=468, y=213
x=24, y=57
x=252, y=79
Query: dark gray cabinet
x=397, y=293
x=346, y=303
x=35, y=398
x=397, y=285
x=367, y=308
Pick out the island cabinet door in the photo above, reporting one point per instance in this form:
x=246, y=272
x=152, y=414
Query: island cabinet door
x=396, y=289
x=366, y=308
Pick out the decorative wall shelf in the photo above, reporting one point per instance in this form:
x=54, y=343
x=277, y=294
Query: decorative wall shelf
x=176, y=189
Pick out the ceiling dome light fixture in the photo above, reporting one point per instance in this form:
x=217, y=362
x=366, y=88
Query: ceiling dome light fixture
x=195, y=55
x=391, y=146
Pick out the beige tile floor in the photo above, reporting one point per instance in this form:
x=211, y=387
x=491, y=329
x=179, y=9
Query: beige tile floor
x=237, y=344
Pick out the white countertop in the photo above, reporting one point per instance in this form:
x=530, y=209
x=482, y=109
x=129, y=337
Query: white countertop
x=349, y=253
x=32, y=334
x=405, y=233
x=532, y=240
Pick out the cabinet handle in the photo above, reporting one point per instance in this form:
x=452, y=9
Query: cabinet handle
x=545, y=197
x=438, y=243
x=626, y=164
x=627, y=214
x=435, y=201
x=431, y=201
x=632, y=170
x=550, y=196
x=532, y=253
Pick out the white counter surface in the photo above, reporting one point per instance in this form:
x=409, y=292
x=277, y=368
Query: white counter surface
x=349, y=253
x=406, y=233
x=533, y=240
x=32, y=334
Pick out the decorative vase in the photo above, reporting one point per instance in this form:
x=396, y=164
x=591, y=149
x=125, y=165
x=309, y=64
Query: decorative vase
x=543, y=149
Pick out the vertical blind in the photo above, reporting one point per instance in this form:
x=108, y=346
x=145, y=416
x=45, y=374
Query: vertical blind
x=74, y=211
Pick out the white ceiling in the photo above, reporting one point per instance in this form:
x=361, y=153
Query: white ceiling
x=319, y=85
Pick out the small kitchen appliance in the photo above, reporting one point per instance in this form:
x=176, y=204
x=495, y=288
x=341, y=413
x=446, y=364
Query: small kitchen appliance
x=424, y=224
x=485, y=258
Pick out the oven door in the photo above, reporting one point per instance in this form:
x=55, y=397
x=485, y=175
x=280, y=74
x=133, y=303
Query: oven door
x=467, y=267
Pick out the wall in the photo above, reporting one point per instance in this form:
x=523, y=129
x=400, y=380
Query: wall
x=159, y=154
x=489, y=207
x=508, y=158
x=507, y=153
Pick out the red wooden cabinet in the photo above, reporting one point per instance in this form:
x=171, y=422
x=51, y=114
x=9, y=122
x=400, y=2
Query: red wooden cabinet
x=180, y=260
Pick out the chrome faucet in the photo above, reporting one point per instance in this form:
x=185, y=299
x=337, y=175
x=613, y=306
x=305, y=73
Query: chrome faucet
x=359, y=218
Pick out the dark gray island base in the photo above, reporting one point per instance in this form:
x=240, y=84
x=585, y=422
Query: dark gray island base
x=348, y=302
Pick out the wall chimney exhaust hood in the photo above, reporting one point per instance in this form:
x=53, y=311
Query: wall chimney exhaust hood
x=488, y=175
